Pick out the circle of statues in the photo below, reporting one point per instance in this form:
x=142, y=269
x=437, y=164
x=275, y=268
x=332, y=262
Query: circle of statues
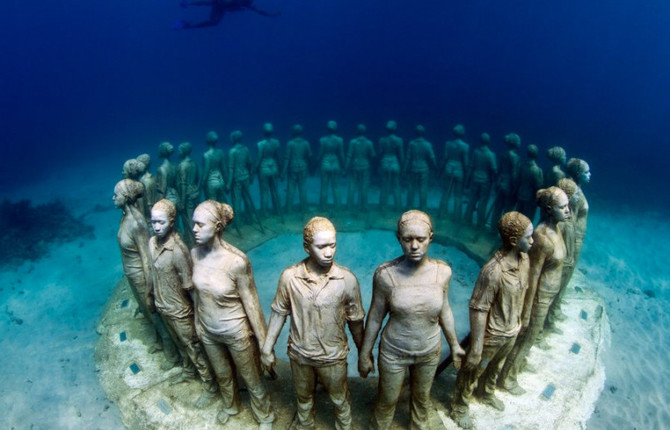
x=205, y=309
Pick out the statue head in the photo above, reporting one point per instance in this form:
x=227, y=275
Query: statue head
x=579, y=170
x=556, y=154
x=236, y=137
x=127, y=192
x=516, y=229
x=268, y=129
x=165, y=150
x=210, y=218
x=133, y=169
x=414, y=233
x=459, y=131
x=145, y=159
x=391, y=126
x=332, y=126
x=211, y=138
x=484, y=139
x=553, y=203
x=532, y=152
x=319, y=239
x=184, y=149
x=361, y=129
x=163, y=214
x=297, y=130
x=568, y=186
x=419, y=130
x=513, y=140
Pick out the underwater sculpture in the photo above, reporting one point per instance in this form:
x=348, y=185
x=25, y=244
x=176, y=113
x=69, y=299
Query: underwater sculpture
x=133, y=238
x=420, y=160
x=509, y=164
x=320, y=296
x=229, y=319
x=392, y=156
x=214, y=166
x=188, y=188
x=555, y=172
x=267, y=167
x=357, y=165
x=239, y=176
x=150, y=186
x=414, y=291
x=166, y=175
x=331, y=160
x=580, y=172
x=544, y=281
x=483, y=170
x=495, y=317
x=173, y=286
x=296, y=168
x=456, y=157
x=530, y=180
x=134, y=169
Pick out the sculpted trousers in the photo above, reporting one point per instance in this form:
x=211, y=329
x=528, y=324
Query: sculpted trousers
x=183, y=330
x=359, y=180
x=296, y=179
x=479, y=198
x=392, y=368
x=334, y=380
x=418, y=183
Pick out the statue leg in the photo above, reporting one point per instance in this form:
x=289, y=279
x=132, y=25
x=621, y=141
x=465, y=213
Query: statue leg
x=482, y=204
x=274, y=194
x=384, y=190
x=325, y=179
x=395, y=183
x=391, y=376
x=264, y=188
x=304, y=381
x=473, y=197
x=421, y=376
x=351, y=189
x=334, y=185
x=247, y=362
x=334, y=380
x=221, y=361
x=496, y=349
x=302, y=191
x=458, y=199
x=423, y=190
x=365, y=184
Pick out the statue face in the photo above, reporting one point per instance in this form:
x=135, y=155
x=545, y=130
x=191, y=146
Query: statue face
x=118, y=199
x=585, y=176
x=323, y=247
x=561, y=211
x=415, y=238
x=161, y=223
x=526, y=240
x=204, y=227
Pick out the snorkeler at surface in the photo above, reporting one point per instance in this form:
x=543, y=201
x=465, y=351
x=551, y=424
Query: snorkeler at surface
x=219, y=9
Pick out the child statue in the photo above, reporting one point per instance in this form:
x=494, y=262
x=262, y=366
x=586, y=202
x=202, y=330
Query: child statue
x=530, y=180
x=212, y=181
x=359, y=155
x=321, y=297
x=392, y=157
x=331, y=160
x=228, y=316
x=455, y=162
x=413, y=290
x=580, y=172
x=188, y=188
x=420, y=160
x=483, y=170
x=296, y=168
x=267, y=167
x=173, y=288
x=239, y=175
x=495, y=317
x=166, y=175
x=150, y=185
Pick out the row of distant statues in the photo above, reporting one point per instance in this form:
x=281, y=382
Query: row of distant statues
x=204, y=301
x=490, y=185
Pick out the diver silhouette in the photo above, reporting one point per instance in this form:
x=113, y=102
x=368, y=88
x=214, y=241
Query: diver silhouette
x=219, y=9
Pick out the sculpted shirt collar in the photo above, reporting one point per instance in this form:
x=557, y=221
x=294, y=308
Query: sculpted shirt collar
x=505, y=263
x=334, y=273
x=168, y=245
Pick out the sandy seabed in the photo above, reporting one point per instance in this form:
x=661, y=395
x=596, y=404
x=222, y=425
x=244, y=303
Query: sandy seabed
x=49, y=310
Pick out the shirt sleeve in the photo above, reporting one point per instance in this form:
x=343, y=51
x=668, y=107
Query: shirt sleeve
x=282, y=303
x=485, y=287
x=354, y=306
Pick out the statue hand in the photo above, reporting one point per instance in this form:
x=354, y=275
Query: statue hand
x=268, y=360
x=457, y=355
x=472, y=360
x=365, y=366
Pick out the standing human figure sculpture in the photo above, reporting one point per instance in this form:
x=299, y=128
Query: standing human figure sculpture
x=228, y=316
x=509, y=164
x=214, y=168
x=321, y=297
x=483, y=170
x=580, y=172
x=495, y=317
x=392, y=156
x=544, y=281
x=134, y=169
x=331, y=160
x=188, y=189
x=420, y=160
x=296, y=168
x=166, y=175
x=359, y=155
x=133, y=239
x=555, y=172
x=150, y=185
x=530, y=180
x=267, y=167
x=173, y=287
x=413, y=290
x=456, y=157
x=239, y=176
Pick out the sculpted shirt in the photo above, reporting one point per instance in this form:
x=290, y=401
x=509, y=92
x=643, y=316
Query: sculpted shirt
x=172, y=277
x=420, y=155
x=500, y=290
x=319, y=309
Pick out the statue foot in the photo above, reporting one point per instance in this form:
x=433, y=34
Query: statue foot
x=222, y=417
x=527, y=367
x=492, y=401
x=181, y=378
x=513, y=388
x=265, y=426
x=552, y=329
x=206, y=399
x=560, y=316
x=462, y=419
x=543, y=345
x=167, y=365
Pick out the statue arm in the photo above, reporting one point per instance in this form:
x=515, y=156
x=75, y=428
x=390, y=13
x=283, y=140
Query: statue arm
x=267, y=351
x=184, y=267
x=537, y=256
x=376, y=314
x=477, y=330
x=246, y=287
x=448, y=325
x=142, y=238
x=253, y=170
x=205, y=172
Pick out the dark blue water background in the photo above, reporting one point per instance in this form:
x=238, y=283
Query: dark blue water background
x=85, y=79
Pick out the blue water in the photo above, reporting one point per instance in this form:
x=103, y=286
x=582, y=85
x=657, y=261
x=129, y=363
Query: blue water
x=83, y=81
